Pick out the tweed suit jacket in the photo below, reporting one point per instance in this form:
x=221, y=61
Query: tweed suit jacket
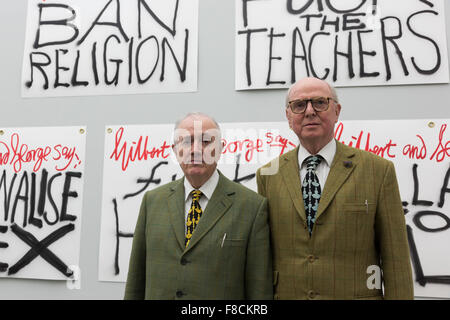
x=213, y=266
x=359, y=223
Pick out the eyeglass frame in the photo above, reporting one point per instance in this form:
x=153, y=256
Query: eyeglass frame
x=184, y=143
x=312, y=104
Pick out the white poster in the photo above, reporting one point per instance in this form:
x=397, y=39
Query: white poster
x=41, y=196
x=139, y=158
x=347, y=43
x=104, y=47
x=420, y=150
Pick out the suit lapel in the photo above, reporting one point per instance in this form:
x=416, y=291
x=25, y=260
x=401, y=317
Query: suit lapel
x=343, y=165
x=291, y=175
x=176, y=211
x=219, y=203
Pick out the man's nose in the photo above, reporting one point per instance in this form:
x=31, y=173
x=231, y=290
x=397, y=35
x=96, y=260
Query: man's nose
x=196, y=146
x=196, y=152
x=309, y=109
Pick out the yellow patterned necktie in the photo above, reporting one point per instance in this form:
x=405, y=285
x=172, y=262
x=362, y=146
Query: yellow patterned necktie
x=194, y=214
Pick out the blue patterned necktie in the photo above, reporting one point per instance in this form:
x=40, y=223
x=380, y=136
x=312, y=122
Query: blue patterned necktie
x=311, y=190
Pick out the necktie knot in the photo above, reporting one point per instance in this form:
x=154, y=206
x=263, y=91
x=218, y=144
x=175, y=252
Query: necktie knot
x=312, y=162
x=196, y=194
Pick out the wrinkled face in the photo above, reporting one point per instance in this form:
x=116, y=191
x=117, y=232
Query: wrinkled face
x=197, y=147
x=313, y=127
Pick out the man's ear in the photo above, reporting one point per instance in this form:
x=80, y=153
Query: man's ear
x=288, y=118
x=174, y=150
x=221, y=145
x=338, y=110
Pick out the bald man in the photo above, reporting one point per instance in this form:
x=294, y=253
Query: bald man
x=336, y=218
x=202, y=236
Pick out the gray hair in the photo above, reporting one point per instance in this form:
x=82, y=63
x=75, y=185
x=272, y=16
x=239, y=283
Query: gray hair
x=196, y=115
x=332, y=90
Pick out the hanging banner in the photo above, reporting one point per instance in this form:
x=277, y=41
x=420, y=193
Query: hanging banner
x=41, y=196
x=102, y=47
x=140, y=158
x=347, y=43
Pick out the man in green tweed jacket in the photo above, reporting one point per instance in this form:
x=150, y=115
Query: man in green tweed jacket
x=335, y=212
x=211, y=243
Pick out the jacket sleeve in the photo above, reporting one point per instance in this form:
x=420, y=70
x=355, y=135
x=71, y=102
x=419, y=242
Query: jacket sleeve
x=258, y=269
x=135, y=286
x=390, y=228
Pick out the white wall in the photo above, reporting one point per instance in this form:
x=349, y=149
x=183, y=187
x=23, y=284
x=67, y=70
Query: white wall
x=216, y=96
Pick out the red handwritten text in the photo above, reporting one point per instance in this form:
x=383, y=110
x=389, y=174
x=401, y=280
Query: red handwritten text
x=376, y=149
x=65, y=153
x=17, y=154
x=443, y=148
x=413, y=152
x=278, y=141
x=237, y=146
x=136, y=151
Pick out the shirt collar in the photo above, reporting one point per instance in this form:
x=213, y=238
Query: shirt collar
x=326, y=152
x=207, y=188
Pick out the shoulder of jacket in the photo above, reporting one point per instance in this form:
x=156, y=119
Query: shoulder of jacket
x=161, y=190
x=280, y=159
x=367, y=156
x=242, y=191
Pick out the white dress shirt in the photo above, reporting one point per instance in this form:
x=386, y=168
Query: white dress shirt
x=323, y=169
x=207, y=189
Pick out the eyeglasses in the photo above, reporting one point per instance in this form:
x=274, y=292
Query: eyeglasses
x=188, y=141
x=319, y=104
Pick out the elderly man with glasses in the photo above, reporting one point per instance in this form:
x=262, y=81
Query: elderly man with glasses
x=337, y=223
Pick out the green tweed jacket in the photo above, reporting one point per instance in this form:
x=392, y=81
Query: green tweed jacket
x=213, y=266
x=360, y=223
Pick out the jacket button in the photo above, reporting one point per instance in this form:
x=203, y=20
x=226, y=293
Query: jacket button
x=184, y=261
x=179, y=293
x=311, y=258
x=311, y=294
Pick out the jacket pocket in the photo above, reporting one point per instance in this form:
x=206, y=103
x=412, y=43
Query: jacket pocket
x=234, y=242
x=358, y=208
